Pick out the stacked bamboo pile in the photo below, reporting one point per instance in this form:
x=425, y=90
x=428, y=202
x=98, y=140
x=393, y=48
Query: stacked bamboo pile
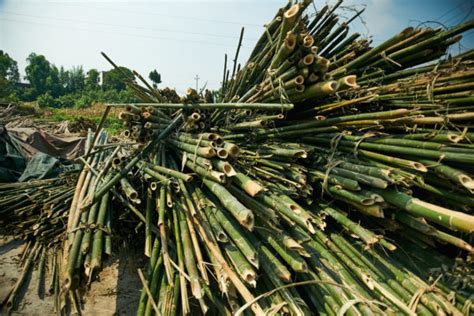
x=329, y=177
x=36, y=212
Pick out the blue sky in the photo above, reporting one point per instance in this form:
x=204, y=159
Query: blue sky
x=182, y=38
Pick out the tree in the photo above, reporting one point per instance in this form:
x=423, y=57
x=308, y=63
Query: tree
x=9, y=75
x=76, y=79
x=155, y=76
x=37, y=73
x=53, y=84
x=92, y=79
x=115, y=78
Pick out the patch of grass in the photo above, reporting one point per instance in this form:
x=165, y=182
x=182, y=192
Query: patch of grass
x=113, y=125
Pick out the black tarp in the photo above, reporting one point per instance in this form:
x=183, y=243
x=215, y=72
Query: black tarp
x=34, y=154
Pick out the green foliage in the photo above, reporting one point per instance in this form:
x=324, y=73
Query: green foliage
x=46, y=100
x=75, y=80
x=92, y=79
x=155, y=76
x=37, y=73
x=9, y=75
x=84, y=101
x=67, y=100
x=113, y=124
x=115, y=78
x=57, y=87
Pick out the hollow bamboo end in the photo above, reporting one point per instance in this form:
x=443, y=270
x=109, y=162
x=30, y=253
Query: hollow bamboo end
x=229, y=170
x=299, y=79
x=367, y=201
x=308, y=41
x=292, y=12
x=175, y=186
x=222, y=153
x=295, y=209
x=195, y=116
x=290, y=41
x=221, y=237
x=218, y=141
x=252, y=188
x=249, y=277
x=349, y=82
x=313, y=78
x=466, y=181
x=301, y=154
x=248, y=220
x=420, y=167
x=329, y=87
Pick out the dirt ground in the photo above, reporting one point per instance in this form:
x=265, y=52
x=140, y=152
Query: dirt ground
x=115, y=292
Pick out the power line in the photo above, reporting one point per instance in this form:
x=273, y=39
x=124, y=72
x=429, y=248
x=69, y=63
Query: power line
x=121, y=25
x=120, y=33
x=164, y=15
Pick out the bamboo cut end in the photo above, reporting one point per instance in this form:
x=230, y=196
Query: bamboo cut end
x=292, y=12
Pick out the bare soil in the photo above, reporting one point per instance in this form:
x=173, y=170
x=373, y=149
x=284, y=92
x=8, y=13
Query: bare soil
x=116, y=290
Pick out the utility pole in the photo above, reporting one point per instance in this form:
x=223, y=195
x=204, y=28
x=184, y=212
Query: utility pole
x=197, y=82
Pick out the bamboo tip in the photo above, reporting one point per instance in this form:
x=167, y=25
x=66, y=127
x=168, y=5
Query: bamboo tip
x=367, y=201
x=329, y=87
x=209, y=152
x=293, y=244
x=175, y=186
x=290, y=41
x=308, y=41
x=280, y=116
x=211, y=136
x=407, y=31
x=222, y=178
x=153, y=186
x=248, y=220
x=292, y=12
x=299, y=79
x=299, y=88
x=313, y=78
x=308, y=59
x=232, y=149
x=420, y=167
x=249, y=277
x=466, y=181
x=116, y=161
x=351, y=80
x=195, y=116
x=218, y=141
x=319, y=117
x=295, y=209
x=222, y=153
x=228, y=170
x=324, y=62
x=221, y=237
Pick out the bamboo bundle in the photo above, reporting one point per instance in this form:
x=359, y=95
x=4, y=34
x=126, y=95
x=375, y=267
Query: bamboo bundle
x=330, y=177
